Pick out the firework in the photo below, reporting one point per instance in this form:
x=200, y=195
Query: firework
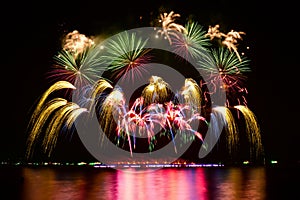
x=192, y=94
x=59, y=85
x=169, y=27
x=112, y=108
x=222, y=115
x=157, y=91
x=64, y=116
x=193, y=43
x=73, y=70
x=127, y=55
x=76, y=43
x=231, y=41
x=146, y=113
x=176, y=117
x=214, y=32
x=252, y=130
x=70, y=62
x=225, y=72
x=59, y=109
x=47, y=110
x=97, y=90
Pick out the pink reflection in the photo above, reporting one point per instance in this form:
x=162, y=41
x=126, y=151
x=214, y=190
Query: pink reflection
x=168, y=183
x=162, y=184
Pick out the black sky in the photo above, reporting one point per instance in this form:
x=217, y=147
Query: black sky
x=32, y=34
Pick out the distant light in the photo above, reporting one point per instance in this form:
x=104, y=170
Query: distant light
x=246, y=162
x=81, y=163
x=248, y=47
x=274, y=162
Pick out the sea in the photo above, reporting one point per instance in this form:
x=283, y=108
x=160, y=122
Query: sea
x=172, y=183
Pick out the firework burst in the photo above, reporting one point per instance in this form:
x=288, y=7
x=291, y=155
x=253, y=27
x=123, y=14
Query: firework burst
x=127, y=56
x=193, y=43
x=226, y=72
x=76, y=43
x=169, y=27
x=214, y=32
x=69, y=63
x=229, y=40
x=72, y=69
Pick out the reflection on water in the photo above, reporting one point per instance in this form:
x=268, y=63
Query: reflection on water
x=168, y=183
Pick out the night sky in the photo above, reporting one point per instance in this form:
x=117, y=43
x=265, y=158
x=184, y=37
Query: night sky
x=32, y=34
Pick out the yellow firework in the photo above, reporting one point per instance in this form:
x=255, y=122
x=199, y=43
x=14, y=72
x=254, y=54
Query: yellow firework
x=157, y=91
x=59, y=111
x=66, y=115
x=252, y=129
x=169, y=27
x=46, y=111
x=56, y=86
x=112, y=106
x=214, y=32
x=230, y=40
x=223, y=113
x=99, y=87
x=76, y=43
x=192, y=94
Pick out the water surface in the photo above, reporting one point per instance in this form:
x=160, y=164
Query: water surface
x=39, y=183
